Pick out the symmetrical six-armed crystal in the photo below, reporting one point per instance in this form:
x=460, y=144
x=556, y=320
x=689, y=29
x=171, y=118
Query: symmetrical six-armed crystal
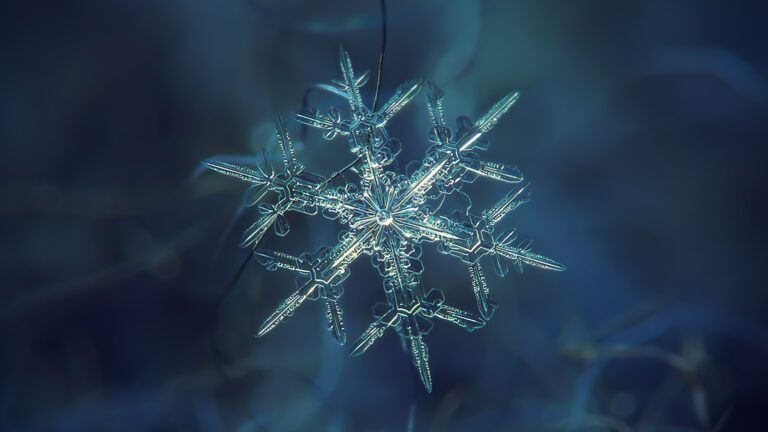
x=388, y=215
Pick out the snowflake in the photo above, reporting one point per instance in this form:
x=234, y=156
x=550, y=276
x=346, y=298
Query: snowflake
x=388, y=215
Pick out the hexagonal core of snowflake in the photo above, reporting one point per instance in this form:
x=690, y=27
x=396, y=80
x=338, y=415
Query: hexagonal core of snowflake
x=388, y=214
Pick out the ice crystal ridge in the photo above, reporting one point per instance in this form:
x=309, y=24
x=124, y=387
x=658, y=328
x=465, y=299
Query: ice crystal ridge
x=388, y=215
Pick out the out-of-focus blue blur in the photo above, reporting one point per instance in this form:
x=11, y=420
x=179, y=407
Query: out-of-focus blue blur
x=642, y=125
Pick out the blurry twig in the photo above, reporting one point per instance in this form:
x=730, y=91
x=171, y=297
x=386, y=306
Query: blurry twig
x=91, y=202
x=686, y=363
x=718, y=63
x=634, y=315
x=448, y=407
x=153, y=258
x=600, y=421
x=410, y=426
x=464, y=71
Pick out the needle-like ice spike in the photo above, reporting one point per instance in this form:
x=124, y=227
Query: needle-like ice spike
x=496, y=171
x=400, y=99
x=529, y=258
x=273, y=260
x=286, y=146
x=487, y=121
x=459, y=317
x=374, y=332
x=353, y=92
x=241, y=172
x=419, y=352
x=335, y=321
x=482, y=293
x=256, y=231
x=504, y=206
x=286, y=308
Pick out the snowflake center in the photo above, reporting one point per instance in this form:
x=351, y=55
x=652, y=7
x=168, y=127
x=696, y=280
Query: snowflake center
x=384, y=217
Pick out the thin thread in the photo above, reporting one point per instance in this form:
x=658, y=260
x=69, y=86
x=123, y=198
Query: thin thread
x=304, y=104
x=381, y=53
x=340, y=172
x=224, y=294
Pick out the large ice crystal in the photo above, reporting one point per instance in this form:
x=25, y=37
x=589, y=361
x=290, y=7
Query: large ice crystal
x=388, y=215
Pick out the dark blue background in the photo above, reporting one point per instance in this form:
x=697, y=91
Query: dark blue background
x=642, y=125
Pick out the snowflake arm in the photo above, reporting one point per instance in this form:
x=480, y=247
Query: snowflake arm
x=298, y=190
x=302, y=266
x=326, y=275
x=407, y=310
x=438, y=169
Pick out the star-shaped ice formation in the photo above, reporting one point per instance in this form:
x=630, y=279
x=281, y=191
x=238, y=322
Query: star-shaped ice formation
x=388, y=215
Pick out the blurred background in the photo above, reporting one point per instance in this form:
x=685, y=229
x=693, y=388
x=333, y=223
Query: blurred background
x=642, y=126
